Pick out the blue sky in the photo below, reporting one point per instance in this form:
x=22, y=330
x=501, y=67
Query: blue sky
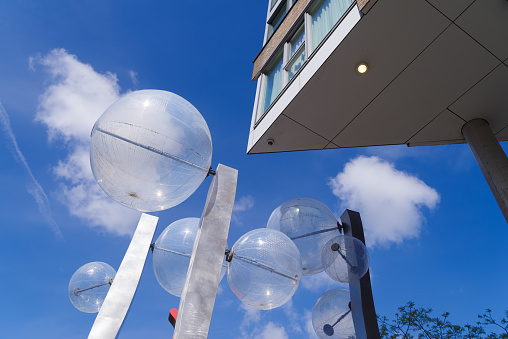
x=435, y=232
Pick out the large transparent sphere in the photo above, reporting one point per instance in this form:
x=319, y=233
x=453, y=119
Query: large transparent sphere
x=150, y=150
x=89, y=286
x=172, y=253
x=331, y=316
x=345, y=258
x=265, y=270
x=310, y=224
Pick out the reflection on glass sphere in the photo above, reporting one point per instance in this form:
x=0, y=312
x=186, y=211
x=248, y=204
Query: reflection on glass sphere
x=265, y=270
x=172, y=253
x=345, y=258
x=150, y=150
x=310, y=224
x=331, y=316
x=89, y=286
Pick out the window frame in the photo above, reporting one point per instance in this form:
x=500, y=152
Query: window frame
x=305, y=23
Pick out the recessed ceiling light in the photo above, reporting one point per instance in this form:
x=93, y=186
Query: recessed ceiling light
x=362, y=68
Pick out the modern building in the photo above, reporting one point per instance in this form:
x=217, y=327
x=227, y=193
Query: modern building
x=435, y=72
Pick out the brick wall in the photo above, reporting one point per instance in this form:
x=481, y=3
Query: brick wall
x=361, y=3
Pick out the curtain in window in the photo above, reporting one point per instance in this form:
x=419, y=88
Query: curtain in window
x=273, y=84
x=325, y=17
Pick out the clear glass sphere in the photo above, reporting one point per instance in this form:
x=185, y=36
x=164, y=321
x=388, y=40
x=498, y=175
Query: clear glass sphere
x=265, y=270
x=172, y=253
x=345, y=258
x=331, y=316
x=310, y=224
x=150, y=150
x=89, y=286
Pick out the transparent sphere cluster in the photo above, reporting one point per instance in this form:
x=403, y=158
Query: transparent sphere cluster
x=172, y=253
x=150, y=150
x=265, y=270
x=310, y=224
x=89, y=286
x=345, y=258
x=331, y=316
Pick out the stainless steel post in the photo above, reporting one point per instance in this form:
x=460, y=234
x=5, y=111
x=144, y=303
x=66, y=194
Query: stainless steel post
x=203, y=276
x=119, y=298
x=362, y=301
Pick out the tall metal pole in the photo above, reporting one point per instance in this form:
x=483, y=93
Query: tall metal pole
x=119, y=298
x=362, y=301
x=491, y=158
x=203, y=276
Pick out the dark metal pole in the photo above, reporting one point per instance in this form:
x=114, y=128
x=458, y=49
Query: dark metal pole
x=352, y=225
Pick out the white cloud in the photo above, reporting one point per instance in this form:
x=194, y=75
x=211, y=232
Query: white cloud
x=272, y=331
x=74, y=99
x=309, y=328
x=388, y=200
x=292, y=316
x=34, y=188
x=243, y=204
x=320, y=282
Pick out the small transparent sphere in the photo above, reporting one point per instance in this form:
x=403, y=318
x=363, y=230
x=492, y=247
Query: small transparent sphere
x=150, y=150
x=265, y=270
x=89, y=286
x=345, y=258
x=310, y=224
x=172, y=253
x=331, y=316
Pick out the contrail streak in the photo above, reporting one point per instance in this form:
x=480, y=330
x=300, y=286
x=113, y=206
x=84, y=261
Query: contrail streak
x=34, y=188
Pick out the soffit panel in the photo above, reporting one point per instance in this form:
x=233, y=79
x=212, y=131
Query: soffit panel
x=445, y=128
x=288, y=136
x=451, y=8
x=503, y=134
x=487, y=22
x=488, y=100
x=451, y=65
x=387, y=42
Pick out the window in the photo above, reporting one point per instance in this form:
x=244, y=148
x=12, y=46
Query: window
x=277, y=19
x=316, y=25
x=273, y=83
x=273, y=3
x=325, y=16
x=296, y=52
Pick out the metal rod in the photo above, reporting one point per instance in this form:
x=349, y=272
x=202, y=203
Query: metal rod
x=314, y=233
x=78, y=291
x=152, y=149
x=173, y=252
x=341, y=317
x=264, y=266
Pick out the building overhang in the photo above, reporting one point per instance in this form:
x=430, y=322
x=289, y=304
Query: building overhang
x=433, y=65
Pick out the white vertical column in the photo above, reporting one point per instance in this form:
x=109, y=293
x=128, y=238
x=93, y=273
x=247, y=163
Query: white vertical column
x=491, y=158
x=120, y=295
x=203, y=276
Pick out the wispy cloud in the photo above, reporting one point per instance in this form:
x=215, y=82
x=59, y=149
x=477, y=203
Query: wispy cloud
x=74, y=99
x=320, y=282
x=33, y=187
x=134, y=78
x=243, y=204
x=389, y=200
